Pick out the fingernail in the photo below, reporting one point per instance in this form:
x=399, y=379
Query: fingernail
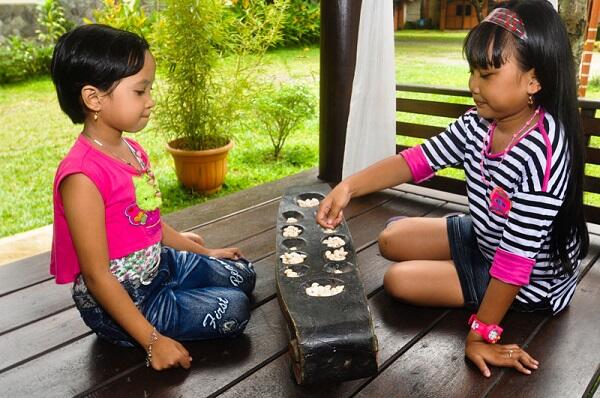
x=535, y=366
x=528, y=371
x=487, y=373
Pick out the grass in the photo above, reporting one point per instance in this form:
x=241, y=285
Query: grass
x=35, y=134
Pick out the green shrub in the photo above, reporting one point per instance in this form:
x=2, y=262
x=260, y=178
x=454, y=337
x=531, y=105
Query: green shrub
x=52, y=21
x=126, y=15
x=283, y=110
x=301, y=23
x=23, y=59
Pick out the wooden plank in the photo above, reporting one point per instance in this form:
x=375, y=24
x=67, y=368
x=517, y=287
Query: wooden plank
x=203, y=381
x=446, y=184
x=571, y=364
x=435, y=365
x=591, y=184
x=90, y=362
x=417, y=130
x=33, y=303
x=434, y=108
x=592, y=155
x=40, y=338
x=195, y=216
x=456, y=92
x=412, y=374
x=592, y=214
x=23, y=273
x=591, y=126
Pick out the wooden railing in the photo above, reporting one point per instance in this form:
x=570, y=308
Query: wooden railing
x=436, y=107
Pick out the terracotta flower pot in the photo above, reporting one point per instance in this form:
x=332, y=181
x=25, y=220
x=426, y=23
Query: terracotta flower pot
x=202, y=171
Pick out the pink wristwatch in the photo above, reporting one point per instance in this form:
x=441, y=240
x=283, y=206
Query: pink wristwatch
x=490, y=333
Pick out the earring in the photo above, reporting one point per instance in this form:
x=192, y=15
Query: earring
x=530, y=100
x=96, y=113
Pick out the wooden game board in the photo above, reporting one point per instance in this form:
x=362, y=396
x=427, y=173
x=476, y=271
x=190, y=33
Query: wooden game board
x=331, y=338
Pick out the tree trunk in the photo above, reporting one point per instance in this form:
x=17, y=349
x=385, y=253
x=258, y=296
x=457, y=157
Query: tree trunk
x=574, y=14
x=478, y=4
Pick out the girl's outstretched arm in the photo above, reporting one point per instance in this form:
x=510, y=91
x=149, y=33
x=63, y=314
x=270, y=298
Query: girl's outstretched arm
x=180, y=241
x=84, y=210
x=496, y=302
x=386, y=173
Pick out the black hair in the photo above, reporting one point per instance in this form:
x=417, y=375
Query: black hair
x=547, y=50
x=95, y=55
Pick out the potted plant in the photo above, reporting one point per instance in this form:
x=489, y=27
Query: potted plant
x=211, y=55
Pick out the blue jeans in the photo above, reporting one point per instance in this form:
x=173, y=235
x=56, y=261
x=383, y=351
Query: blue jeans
x=192, y=297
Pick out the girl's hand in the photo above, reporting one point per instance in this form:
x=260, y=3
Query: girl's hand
x=168, y=353
x=193, y=237
x=330, y=211
x=232, y=253
x=482, y=353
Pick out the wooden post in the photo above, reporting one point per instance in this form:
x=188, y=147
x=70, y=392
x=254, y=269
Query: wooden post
x=339, y=35
x=443, y=15
x=588, y=46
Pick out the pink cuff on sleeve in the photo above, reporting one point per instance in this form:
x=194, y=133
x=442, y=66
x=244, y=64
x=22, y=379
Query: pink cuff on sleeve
x=417, y=163
x=511, y=268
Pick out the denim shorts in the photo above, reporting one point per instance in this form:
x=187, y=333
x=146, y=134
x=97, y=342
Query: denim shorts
x=192, y=297
x=472, y=267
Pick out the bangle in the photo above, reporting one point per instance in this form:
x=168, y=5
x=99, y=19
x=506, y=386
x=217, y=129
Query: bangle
x=153, y=339
x=490, y=333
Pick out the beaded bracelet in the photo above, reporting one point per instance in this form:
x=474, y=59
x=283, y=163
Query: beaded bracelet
x=153, y=339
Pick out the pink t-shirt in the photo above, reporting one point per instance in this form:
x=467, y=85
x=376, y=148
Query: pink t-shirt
x=128, y=227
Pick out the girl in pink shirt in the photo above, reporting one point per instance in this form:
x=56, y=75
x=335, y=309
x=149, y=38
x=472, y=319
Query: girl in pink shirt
x=135, y=279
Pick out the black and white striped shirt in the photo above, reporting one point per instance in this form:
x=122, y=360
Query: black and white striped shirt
x=525, y=232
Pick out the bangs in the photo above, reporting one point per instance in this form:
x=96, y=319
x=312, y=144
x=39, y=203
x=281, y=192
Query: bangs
x=488, y=45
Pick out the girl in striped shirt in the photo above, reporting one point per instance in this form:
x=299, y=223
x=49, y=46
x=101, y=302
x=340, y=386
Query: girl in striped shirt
x=521, y=148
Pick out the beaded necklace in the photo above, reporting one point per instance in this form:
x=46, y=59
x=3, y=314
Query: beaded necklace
x=146, y=186
x=122, y=159
x=500, y=203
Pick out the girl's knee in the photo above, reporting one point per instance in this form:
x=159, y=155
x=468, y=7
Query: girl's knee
x=396, y=281
x=390, y=241
x=235, y=320
x=385, y=242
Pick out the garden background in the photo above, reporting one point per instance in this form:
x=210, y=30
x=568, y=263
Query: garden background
x=35, y=134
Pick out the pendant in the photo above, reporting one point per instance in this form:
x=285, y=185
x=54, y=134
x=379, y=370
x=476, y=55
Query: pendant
x=500, y=203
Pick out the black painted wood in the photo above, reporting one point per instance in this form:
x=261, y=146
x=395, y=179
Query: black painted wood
x=331, y=338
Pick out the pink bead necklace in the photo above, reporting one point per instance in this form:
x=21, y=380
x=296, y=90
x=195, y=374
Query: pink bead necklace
x=500, y=203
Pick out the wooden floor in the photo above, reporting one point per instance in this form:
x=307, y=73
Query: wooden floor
x=47, y=351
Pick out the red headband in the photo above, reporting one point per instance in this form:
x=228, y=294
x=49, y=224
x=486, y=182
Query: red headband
x=509, y=20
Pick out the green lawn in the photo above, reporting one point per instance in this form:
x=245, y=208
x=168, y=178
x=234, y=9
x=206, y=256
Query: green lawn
x=35, y=135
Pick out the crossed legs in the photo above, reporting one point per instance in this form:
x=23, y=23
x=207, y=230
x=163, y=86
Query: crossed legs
x=424, y=273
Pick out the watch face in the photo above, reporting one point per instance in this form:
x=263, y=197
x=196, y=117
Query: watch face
x=493, y=335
